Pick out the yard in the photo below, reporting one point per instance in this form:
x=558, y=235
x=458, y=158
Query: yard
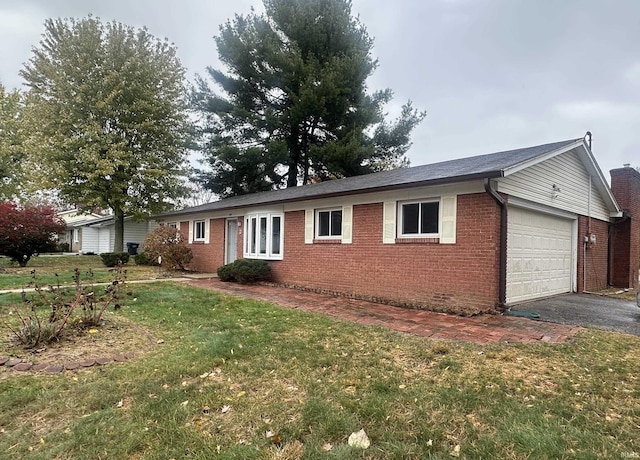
x=232, y=378
x=59, y=269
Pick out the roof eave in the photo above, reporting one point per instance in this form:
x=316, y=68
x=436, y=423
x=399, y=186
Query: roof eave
x=442, y=181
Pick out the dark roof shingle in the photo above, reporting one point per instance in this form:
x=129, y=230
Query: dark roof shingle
x=460, y=170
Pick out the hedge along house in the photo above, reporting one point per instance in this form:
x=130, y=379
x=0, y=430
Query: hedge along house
x=465, y=235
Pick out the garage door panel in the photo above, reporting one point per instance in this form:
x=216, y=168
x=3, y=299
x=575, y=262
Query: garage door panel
x=539, y=255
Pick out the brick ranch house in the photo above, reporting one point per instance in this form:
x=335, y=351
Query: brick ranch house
x=466, y=236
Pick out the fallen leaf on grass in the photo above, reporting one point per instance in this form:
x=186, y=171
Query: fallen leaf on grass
x=456, y=451
x=225, y=409
x=327, y=446
x=276, y=439
x=93, y=331
x=120, y=403
x=430, y=442
x=359, y=440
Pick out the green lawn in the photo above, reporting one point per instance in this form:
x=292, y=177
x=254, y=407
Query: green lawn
x=231, y=370
x=46, y=268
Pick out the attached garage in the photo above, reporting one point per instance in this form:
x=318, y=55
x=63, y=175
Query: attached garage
x=540, y=254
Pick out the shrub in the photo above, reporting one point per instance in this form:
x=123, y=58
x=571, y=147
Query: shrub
x=49, y=311
x=168, y=243
x=245, y=271
x=28, y=230
x=225, y=273
x=144, y=259
x=111, y=259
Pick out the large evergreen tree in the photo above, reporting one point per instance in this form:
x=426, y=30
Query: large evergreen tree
x=293, y=106
x=110, y=106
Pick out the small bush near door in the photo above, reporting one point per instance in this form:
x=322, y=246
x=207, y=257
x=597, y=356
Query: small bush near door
x=245, y=271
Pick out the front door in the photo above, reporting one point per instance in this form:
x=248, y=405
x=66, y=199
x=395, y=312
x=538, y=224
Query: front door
x=231, y=241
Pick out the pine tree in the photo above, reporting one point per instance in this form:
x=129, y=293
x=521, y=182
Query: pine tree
x=293, y=106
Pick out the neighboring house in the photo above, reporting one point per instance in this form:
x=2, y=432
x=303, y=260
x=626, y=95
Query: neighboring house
x=467, y=235
x=75, y=220
x=98, y=236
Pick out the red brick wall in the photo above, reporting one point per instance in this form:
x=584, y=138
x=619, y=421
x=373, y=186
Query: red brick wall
x=207, y=257
x=625, y=232
x=462, y=277
x=596, y=254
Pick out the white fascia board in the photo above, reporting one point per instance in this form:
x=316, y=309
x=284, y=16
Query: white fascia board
x=411, y=193
x=458, y=188
x=600, y=182
x=223, y=214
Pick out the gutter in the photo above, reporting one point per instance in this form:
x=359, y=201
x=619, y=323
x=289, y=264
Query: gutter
x=356, y=191
x=502, y=276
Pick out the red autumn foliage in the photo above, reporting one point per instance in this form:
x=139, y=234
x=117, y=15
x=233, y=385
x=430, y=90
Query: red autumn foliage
x=25, y=231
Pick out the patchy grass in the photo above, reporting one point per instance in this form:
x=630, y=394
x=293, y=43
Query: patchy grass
x=619, y=293
x=231, y=371
x=13, y=276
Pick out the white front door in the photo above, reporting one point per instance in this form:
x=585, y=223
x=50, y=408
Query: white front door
x=539, y=255
x=231, y=241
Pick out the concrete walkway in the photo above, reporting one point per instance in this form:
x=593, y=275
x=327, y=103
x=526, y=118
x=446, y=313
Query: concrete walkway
x=482, y=329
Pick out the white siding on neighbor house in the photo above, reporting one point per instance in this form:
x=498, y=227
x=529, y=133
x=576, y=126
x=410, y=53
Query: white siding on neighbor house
x=134, y=232
x=90, y=240
x=568, y=173
x=106, y=240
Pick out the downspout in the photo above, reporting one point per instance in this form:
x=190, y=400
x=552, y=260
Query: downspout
x=502, y=288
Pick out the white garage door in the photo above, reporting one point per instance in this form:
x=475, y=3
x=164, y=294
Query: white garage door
x=539, y=255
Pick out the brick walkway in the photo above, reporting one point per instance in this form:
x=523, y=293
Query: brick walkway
x=480, y=329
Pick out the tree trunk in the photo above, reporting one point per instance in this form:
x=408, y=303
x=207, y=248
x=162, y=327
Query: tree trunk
x=118, y=244
x=294, y=158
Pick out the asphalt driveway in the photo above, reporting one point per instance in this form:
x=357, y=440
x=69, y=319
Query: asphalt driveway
x=587, y=310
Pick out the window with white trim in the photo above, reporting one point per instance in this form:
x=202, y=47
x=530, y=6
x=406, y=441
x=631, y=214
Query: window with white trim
x=419, y=219
x=329, y=223
x=76, y=235
x=198, y=230
x=172, y=225
x=264, y=236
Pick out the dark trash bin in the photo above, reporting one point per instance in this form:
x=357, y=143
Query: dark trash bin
x=132, y=248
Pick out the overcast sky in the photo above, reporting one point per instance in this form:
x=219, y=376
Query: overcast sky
x=492, y=74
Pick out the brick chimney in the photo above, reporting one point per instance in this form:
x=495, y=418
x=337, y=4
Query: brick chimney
x=625, y=231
